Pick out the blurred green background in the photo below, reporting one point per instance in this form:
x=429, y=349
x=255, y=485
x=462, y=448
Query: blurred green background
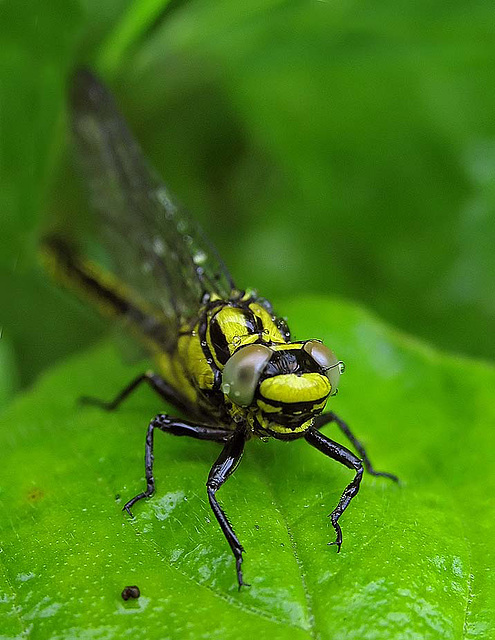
x=345, y=148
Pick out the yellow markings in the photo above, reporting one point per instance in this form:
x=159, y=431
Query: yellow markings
x=287, y=346
x=271, y=331
x=173, y=373
x=290, y=387
x=243, y=341
x=193, y=360
x=279, y=428
x=317, y=408
x=232, y=323
x=268, y=408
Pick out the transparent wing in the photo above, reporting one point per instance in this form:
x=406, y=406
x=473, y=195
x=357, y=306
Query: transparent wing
x=154, y=247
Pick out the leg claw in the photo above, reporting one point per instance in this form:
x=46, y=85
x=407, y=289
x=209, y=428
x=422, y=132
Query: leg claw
x=128, y=509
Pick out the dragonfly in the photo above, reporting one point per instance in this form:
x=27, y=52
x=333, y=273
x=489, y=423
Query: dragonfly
x=222, y=357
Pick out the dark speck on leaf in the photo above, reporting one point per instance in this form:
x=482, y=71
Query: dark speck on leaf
x=35, y=494
x=130, y=592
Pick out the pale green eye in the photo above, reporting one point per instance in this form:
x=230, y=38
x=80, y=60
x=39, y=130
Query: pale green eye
x=242, y=372
x=327, y=360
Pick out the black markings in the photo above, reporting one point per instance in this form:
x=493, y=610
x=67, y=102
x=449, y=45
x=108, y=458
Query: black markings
x=219, y=341
x=254, y=324
x=202, y=328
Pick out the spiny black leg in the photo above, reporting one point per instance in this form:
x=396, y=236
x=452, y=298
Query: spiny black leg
x=344, y=456
x=224, y=466
x=157, y=383
x=177, y=427
x=326, y=418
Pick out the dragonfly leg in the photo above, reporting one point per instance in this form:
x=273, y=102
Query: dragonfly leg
x=156, y=382
x=327, y=418
x=344, y=456
x=224, y=466
x=177, y=427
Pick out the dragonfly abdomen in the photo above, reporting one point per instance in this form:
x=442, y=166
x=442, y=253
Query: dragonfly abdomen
x=111, y=297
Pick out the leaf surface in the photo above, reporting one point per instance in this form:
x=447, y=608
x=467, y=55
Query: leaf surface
x=416, y=562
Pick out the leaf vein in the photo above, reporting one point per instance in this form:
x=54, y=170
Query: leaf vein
x=311, y=619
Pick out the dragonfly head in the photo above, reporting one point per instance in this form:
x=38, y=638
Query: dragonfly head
x=284, y=385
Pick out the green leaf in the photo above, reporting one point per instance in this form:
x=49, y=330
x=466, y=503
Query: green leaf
x=133, y=23
x=349, y=133
x=417, y=559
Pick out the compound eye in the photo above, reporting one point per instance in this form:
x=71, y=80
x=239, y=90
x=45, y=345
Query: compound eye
x=327, y=360
x=242, y=372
